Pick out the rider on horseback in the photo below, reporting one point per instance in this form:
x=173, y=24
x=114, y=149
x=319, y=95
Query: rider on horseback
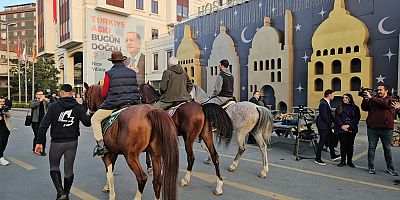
x=175, y=85
x=223, y=88
x=119, y=89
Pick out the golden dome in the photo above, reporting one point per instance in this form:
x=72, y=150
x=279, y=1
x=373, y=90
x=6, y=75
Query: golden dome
x=266, y=36
x=340, y=30
x=188, y=47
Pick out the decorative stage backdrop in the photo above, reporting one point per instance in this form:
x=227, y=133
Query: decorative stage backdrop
x=293, y=50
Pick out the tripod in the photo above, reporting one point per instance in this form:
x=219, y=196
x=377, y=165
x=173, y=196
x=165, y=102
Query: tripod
x=308, y=136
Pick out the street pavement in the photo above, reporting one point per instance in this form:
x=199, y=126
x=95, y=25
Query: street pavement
x=27, y=176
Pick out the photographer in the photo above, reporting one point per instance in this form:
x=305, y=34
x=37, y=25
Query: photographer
x=38, y=110
x=5, y=127
x=380, y=123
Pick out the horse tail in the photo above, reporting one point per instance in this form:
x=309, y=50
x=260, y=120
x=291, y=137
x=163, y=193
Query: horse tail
x=264, y=123
x=164, y=129
x=217, y=117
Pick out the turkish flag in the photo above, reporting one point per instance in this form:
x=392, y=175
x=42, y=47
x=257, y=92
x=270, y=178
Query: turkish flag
x=18, y=49
x=55, y=10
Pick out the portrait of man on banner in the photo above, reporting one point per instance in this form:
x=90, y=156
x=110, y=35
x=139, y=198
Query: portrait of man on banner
x=136, y=59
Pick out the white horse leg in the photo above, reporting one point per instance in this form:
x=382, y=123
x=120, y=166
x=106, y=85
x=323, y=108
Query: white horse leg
x=138, y=195
x=110, y=179
x=106, y=188
x=240, y=141
x=218, y=189
x=185, y=179
x=263, y=148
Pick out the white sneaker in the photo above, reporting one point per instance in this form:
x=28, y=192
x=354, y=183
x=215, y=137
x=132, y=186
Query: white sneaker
x=3, y=161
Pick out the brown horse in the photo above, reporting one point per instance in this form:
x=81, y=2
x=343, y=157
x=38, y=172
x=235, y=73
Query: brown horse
x=141, y=128
x=191, y=120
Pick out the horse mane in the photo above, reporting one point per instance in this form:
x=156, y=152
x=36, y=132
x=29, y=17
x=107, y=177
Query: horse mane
x=94, y=97
x=145, y=93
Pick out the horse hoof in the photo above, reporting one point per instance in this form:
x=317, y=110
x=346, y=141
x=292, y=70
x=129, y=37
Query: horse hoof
x=183, y=183
x=106, y=189
x=216, y=193
x=232, y=169
x=263, y=175
x=207, y=161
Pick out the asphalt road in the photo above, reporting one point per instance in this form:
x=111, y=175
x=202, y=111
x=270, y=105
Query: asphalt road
x=27, y=176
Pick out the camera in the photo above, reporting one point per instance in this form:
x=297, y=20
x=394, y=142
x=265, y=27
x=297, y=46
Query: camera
x=4, y=109
x=362, y=92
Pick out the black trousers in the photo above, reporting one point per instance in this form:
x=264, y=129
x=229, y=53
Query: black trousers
x=347, y=146
x=66, y=149
x=4, y=134
x=324, y=135
x=35, y=128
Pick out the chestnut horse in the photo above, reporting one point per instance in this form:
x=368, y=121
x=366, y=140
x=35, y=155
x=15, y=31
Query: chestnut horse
x=140, y=128
x=191, y=120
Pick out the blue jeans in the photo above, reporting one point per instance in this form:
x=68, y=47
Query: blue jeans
x=386, y=137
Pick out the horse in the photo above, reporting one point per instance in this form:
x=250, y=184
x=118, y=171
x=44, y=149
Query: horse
x=140, y=128
x=246, y=118
x=191, y=120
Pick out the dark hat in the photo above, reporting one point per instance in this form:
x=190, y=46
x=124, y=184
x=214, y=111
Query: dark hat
x=328, y=92
x=66, y=88
x=117, y=56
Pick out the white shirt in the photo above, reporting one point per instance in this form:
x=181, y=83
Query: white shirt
x=134, y=60
x=329, y=102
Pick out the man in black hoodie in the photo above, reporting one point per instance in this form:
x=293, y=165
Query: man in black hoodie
x=63, y=116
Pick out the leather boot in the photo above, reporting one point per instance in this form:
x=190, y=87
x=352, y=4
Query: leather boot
x=67, y=185
x=56, y=177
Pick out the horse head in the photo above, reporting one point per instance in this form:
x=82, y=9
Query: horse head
x=198, y=94
x=149, y=94
x=93, y=96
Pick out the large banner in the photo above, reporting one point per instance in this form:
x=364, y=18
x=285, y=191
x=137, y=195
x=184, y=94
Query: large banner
x=106, y=32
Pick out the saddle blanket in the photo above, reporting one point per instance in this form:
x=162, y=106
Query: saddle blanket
x=107, y=122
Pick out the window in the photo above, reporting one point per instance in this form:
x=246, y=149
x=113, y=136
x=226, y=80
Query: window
x=319, y=68
x=211, y=71
x=355, y=84
x=182, y=7
x=267, y=65
x=116, y=3
x=355, y=65
x=192, y=71
x=333, y=52
x=261, y=65
x=23, y=33
x=336, y=67
x=336, y=84
x=3, y=26
x=272, y=77
x=155, y=61
x=22, y=15
x=255, y=87
x=154, y=34
x=318, y=84
x=356, y=49
x=186, y=70
x=15, y=15
x=319, y=53
x=215, y=70
x=325, y=52
x=230, y=68
x=3, y=17
x=340, y=50
x=179, y=10
x=185, y=12
x=139, y=4
x=272, y=64
x=3, y=35
x=22, y=23
x=279, y=76
x=279, y=63
x=169, y=55
x=255, y=66
x=154, y=6
x=348, y=49
x=251, y=88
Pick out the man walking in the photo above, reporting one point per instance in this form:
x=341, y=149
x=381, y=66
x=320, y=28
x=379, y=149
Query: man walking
x=63, y=116
x=38, y=110
x=175, y=85
x=380, y=123
x=325, y=125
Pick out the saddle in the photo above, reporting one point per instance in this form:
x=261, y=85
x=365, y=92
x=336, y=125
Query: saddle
x=171, y=111
x=107, y=122
x=228, y=103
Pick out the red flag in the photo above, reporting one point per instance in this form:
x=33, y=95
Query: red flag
x=18, y=49
x=55, y=10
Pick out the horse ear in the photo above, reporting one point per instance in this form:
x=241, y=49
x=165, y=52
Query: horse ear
x=86, y=85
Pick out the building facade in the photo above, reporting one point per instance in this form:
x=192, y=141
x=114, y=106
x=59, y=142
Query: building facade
x=87, y=31
x=24, y=17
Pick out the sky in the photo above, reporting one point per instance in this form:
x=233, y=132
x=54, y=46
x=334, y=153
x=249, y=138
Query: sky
x=13, y=2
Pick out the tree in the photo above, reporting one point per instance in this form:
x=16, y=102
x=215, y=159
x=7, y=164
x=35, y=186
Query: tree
x=46, y=78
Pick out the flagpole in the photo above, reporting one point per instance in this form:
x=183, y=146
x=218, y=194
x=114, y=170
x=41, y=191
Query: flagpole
x=26, y=80
x=33, y=71
x=19, y=73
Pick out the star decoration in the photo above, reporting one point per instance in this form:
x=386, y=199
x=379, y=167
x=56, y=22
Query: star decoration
x=389, y=54
x=257, y=29
x=205, y=48
x=215, y=34
x=305, y=57
x=197, y=32
x=299, y=88
x=381, y=79
x=259, y=5
x=221, y=22
x=176, y=39
x=298, y=27
x=273, y=9
x=235, y=12
x=322, y=13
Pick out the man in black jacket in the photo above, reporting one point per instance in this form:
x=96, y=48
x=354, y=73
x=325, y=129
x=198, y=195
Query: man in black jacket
x=63, y=116
x=325, y=125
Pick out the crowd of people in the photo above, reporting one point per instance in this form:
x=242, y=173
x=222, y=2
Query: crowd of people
x=120, y=89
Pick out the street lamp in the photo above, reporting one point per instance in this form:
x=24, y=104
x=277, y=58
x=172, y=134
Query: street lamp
x=8, y=57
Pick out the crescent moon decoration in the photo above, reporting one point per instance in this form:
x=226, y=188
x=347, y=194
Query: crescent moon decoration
x=382, y=30
x=244, y=40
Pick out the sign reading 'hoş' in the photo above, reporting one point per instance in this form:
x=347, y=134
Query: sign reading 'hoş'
x=216, y=5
